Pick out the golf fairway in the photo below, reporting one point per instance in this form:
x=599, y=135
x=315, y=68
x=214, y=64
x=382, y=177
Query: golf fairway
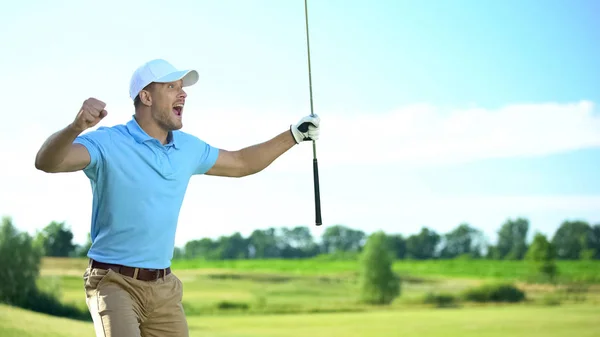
x=519, y=321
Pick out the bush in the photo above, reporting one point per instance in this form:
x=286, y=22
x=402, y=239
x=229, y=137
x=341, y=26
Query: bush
x=494, y=292
x=228, y=305
x=48, y=303
x=441, y=300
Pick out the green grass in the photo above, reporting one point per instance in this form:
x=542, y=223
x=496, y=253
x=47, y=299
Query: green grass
x=480, y=269
x=510, y=270
x=569, y=271
x=220, y=288
x=206, y=290
x=519, y=321
x=279, y=298
x=16, y=322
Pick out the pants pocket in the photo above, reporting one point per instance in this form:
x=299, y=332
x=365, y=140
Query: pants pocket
x=93, y=278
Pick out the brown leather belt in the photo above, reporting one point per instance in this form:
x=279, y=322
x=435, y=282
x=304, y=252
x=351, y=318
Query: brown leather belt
x=142, y=274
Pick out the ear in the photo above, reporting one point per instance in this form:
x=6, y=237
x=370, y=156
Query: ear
x=146, y=97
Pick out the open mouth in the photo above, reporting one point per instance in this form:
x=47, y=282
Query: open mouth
x=178, y=110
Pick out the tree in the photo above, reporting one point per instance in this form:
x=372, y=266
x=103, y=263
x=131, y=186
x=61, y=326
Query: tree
x=543, y=256
x=594, y=241
x=177, y=253
x=572, y=238
x=204, y=248
x=82, y=250
x=57, y=240
x=512, y=239
x=422, y=246
x=397, y=245
x=263, y=244
x=464, y=240
x=20, y=261
x=378, y=283
x=342, y=239
x=298, y=242
x=232, y=247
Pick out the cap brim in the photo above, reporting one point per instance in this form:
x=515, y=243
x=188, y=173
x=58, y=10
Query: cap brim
x=189, y=77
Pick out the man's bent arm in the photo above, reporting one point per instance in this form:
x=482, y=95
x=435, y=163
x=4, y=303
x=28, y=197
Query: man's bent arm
x=59, y=154
x=252, y=159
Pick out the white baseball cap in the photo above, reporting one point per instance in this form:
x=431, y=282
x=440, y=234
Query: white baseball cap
x=160, y=71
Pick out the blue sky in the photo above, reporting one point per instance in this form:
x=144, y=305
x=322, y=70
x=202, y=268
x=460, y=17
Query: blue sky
x=392, y=80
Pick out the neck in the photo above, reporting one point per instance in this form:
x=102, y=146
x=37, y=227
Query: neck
x=151, y=127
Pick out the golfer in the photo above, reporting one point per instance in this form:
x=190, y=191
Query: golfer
x=139, y=172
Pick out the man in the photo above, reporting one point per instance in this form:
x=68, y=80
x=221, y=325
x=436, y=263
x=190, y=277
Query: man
x=139, y=173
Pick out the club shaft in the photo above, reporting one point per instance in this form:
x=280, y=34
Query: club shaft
x=312, y=113
x=318, y=220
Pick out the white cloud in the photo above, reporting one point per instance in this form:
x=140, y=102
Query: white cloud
x=425, y=134
x=282, y=195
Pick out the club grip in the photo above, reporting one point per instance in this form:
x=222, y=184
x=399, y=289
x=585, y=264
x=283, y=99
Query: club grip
x=317, y=193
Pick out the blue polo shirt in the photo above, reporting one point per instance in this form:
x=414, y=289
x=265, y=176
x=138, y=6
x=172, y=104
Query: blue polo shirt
x=138, y=186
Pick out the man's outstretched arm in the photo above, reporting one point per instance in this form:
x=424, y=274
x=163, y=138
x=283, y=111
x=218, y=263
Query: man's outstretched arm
x=255, y=158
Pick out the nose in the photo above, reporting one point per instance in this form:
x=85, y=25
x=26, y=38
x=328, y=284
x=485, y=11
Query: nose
x=182, y=94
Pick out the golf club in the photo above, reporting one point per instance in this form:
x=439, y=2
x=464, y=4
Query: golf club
x=315, y=161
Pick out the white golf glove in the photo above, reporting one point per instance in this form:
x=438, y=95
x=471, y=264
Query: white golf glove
x=306, y=129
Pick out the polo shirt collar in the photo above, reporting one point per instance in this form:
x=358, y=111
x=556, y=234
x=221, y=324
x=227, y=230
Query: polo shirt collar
x=136, y=131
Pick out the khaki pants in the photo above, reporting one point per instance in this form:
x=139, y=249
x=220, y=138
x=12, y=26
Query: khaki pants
x=122, y=306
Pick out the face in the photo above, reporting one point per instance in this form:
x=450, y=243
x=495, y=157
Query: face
x=166, y=104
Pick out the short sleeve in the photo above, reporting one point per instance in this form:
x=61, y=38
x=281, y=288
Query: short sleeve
x=96, y=143
x=207, y=156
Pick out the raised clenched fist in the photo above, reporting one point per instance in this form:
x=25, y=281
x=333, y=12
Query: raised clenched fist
x=92, y=111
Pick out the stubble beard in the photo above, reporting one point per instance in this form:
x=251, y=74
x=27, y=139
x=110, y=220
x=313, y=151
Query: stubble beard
x=167, y=121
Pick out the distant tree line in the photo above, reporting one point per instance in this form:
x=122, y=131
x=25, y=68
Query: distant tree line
x=573, y=240
x=21, y=255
